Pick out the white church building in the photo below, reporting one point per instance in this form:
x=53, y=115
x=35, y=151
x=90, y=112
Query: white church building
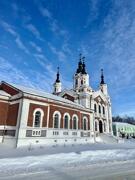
x=70, y=116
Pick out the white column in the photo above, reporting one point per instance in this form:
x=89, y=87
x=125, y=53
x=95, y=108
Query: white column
x=92, y=122
x=48, y=115
x=110, y=118
x=22, y=126
x=107, y=118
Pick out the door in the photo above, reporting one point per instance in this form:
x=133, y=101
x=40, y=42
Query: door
x=100, y=127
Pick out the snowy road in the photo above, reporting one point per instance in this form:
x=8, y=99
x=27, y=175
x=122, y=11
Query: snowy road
x=111, y=171
x=80, y=163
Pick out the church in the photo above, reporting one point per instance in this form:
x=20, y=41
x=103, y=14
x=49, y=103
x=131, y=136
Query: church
x=69, y=116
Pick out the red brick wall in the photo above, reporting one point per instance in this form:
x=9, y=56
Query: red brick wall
x=8, y=89
x=31, y=111
x=63, y=111
x=12, y=114
x=3, y=112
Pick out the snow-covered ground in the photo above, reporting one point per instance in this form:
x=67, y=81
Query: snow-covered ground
x=91, y=161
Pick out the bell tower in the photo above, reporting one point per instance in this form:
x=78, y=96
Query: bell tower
x=103, y=85
x=81, y=78
x=81, y=84
x=57, y=84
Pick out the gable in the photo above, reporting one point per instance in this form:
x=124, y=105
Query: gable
x=8, y=88
x=100, y=100
x=99, y=94
x=69, y=97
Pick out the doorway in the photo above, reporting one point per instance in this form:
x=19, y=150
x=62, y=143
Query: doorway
x=100, y=127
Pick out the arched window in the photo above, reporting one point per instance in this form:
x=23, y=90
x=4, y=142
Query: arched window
x=99, y=108
x=96, y=126
x=56, y=119
x=38, y=117
x=66, y=121
x=75, y=122
x=82, y=82
x=85, y=124
x=103, y=110
x=95, y=107
x=76, y=82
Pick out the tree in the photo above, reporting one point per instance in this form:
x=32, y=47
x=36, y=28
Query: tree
x=124, y=119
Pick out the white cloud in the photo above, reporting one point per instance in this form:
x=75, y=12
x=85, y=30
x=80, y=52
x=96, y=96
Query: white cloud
x=53, y=23
x=14, y=6
x=21, y=45
x=36, y=47
x=33, y=30
x=11, y=30
x=60, y=54
x=48, y=76
x=9, y=73
x=8, y=28
x=45, y=12
x=58, y=31
x=119, y=40
x=114, y=43
x=93, y=12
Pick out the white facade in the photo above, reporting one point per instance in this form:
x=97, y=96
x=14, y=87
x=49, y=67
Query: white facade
x=98, y=101
x=74, y=116
x=57, y=87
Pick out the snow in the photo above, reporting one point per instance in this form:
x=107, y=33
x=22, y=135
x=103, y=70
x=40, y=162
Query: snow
x=60, y=162
x=123, y=124
x=3, y=93
x=43, y=94
x=71, y=92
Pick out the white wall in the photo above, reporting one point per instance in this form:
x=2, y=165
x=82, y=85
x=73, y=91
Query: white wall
x=60, y=139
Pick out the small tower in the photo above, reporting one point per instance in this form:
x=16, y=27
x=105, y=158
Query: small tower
x=57, y=84
x=81, y=78
x=80, y=65
x=103, y=85
x=85, y=76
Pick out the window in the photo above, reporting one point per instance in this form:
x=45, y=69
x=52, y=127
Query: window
x=95, y=107
x=76, y=82
x=85, y=124
x=56, y=121
x=103, y=110
x=82, y=82
x=66, y=121
x=74, y=123
x=38, y=117
x=99, y=109
x=96, y=126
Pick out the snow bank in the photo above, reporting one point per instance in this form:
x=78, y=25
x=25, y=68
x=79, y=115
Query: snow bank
x=9, y=167
x=41, y=159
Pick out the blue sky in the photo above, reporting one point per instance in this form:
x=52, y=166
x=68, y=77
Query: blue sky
x=36, y=36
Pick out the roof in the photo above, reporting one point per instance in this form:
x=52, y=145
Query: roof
x=123, y=124
x=71, y=92
x=3, y=93
x=43, y=94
